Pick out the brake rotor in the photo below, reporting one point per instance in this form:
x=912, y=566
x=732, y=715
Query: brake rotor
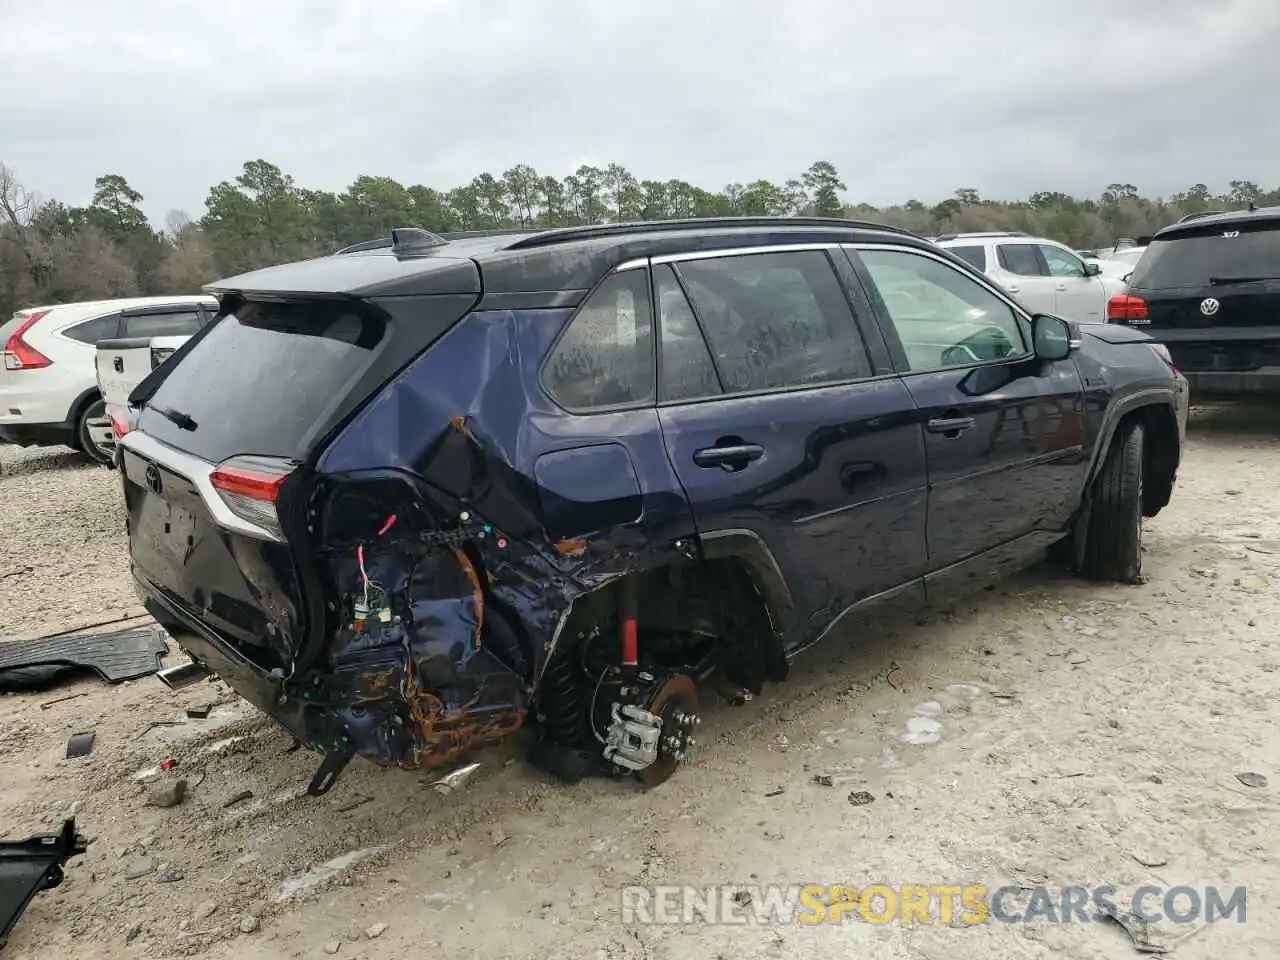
x=676, y=695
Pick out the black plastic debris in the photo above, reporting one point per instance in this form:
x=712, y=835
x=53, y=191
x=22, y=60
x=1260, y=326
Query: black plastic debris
x=1251, y=779
x=199, y=713
x=30, y=866
x=860, y=798
x=116, y=657
x=80, y=745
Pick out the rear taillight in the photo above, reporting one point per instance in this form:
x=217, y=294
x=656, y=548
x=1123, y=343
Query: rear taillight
x=20, y=355
x=119, y=428
x=250, y=486
x=1125, y=308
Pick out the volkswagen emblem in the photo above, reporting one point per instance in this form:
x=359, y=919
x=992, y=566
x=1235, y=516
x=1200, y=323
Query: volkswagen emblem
x=1209, y=306
x=152, y=476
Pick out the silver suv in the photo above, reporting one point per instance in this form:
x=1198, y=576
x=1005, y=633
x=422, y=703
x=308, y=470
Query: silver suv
x=1043, y=275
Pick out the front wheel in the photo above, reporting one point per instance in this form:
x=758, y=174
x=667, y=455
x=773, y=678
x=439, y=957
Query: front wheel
x=84, y=435
x=1113, y=540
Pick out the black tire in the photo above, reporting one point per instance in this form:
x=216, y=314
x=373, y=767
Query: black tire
x=83, y=440
x=1113, y=540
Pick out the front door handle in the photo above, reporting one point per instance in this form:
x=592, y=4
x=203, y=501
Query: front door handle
x=1061, y=288
x=729, y=457
x=949, y=427
x=1011, y=287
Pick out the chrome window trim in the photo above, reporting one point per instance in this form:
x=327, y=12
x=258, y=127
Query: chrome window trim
x=198, y=472
x=689, y=255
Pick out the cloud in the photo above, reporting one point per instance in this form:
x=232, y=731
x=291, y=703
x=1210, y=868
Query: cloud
x=908, y=99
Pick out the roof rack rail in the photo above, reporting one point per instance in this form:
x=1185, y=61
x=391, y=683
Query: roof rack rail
x=501, y=232
x=1197, y=216
x=402, y=240
x=548, y=238
x=982, y=233
x=363, y=245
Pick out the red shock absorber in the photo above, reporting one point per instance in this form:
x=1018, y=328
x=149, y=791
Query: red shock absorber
x=628, y=621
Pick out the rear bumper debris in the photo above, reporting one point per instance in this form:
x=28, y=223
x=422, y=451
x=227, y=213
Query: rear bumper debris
x=30, y=866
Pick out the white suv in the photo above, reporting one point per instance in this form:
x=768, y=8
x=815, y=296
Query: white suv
x=48, y=384
x=1043, y=275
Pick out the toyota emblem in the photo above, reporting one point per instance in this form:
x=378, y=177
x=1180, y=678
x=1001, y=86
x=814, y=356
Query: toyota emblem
x=1209, y=306
x=152, y=476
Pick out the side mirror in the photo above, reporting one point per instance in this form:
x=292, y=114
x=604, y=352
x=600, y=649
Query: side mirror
x=1053, y=338
x=1091, y=269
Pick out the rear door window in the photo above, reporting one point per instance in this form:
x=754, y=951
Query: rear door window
x=178, y=324
x=263, y=377
x=688, y=372
x=776, y=320
x=1022, y=259
x=1208, y=258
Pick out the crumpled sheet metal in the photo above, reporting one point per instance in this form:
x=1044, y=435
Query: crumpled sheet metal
x=448, y=431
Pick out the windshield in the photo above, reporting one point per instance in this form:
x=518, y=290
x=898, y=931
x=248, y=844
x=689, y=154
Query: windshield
x=1195, y=260
x=261, y=379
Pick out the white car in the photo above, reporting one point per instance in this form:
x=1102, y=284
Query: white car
x=48, y=383
x=1043, y=275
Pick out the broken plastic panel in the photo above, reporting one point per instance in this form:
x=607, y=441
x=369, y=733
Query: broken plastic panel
x=30, y=866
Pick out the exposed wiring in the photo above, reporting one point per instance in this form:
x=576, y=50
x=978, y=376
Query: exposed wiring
x=363, y=574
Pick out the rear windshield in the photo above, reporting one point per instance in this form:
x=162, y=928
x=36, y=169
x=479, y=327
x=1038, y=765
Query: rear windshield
x=262, y=378
x=1195, y=260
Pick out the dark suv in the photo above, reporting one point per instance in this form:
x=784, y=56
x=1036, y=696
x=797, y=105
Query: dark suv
x=1209, y=289
x=406, y=497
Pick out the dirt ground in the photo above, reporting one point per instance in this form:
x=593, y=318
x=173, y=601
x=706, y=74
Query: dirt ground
x=1073, y=733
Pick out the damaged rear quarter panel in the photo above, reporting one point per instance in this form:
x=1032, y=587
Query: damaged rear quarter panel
x=455, y=658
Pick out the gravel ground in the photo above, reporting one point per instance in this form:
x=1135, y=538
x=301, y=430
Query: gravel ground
x=1072, y=734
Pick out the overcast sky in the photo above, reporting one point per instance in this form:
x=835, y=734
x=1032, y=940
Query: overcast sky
x=911, y=98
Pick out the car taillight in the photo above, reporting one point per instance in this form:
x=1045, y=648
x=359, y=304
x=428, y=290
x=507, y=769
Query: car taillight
x=1125, y=307
x=249, y=486
x=119, y=428
x=20, y=355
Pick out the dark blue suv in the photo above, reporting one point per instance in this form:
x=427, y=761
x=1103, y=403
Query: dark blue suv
x=407, y=497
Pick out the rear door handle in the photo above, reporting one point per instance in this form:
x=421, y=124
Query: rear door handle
x=949, y=426
x=733, y=457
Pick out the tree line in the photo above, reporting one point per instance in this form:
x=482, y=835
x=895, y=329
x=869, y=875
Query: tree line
x=54, y=253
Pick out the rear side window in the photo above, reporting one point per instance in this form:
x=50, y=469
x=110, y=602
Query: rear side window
x=687, y=370
x=776, y=320
x=160, y=325
x=604, y=358
x=93, y=331
x=1022, y=259
x=262, y=378
x=974, y=256
x=1210, y=258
